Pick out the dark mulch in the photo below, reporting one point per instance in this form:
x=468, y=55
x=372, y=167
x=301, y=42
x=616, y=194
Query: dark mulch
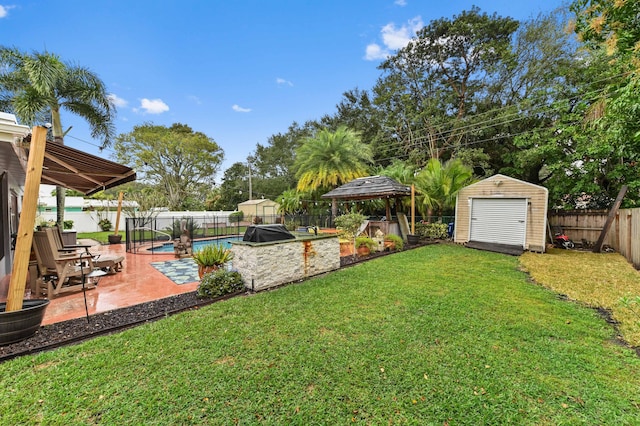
x=75, y=330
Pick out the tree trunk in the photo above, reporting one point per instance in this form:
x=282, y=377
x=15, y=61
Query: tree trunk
x=58, y=137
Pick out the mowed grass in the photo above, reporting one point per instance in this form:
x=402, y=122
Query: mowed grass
x=437, y=335
x=599, y=280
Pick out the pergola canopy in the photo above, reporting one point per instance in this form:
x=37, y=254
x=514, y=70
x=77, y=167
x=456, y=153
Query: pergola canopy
x=368, y=188
x=78, y=170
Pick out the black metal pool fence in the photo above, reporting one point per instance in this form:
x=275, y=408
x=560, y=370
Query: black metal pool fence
x=162, y=229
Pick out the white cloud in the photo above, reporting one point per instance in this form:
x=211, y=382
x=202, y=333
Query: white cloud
x=374, y=51
x=4, y=10
x=393, y=39
x=152, y=106
x=238, y=108
x=117, y=101
x=400, y=3
x=283, y=82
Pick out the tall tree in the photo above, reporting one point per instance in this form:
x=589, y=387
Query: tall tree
x=179, y=161
x=234, y=187
x=38, y=86
x=611, y=25
x=611, y=159
x=330, y=159
x=438, y=184
x=273, y=170
x=431, y=85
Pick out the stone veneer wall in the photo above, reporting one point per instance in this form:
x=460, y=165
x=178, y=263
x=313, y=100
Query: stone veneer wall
x=266, y=265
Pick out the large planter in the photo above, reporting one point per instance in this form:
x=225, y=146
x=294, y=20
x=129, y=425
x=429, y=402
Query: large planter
x=22, y=324
x=413, y=239
x=202, y=270
x=363, y=251
x=114, y=239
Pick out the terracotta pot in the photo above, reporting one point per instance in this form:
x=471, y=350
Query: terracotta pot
x=206, y=269
x=363, y=251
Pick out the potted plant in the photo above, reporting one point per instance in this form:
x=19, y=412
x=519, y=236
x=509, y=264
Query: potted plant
x=393, y=242
x=364, y=245
x=211, y=257
x=348, y=225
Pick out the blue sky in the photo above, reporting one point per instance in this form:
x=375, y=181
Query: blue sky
x=240, y=70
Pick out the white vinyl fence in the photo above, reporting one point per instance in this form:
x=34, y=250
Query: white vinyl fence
x=87, y=221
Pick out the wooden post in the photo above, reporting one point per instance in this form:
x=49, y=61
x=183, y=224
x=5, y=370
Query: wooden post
x=118, y=213
x=612, y=215
x=413, y=209
x=388, y=209
x=22, y=253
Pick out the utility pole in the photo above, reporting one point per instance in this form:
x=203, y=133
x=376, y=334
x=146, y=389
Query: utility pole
x=250, y=188
x=249, y=160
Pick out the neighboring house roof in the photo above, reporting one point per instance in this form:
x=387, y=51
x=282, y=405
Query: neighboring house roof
x=370, y=187
x=84, y=203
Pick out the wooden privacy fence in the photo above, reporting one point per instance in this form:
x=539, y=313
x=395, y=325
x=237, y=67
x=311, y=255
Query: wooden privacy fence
x=585, y=226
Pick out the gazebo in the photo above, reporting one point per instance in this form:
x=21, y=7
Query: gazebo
x=369, y=188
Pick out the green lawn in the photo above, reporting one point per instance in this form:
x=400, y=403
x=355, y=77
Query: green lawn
x=437, y=335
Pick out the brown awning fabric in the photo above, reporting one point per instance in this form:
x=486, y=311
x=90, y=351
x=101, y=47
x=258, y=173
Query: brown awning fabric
x=83, y=172
x=370, y=187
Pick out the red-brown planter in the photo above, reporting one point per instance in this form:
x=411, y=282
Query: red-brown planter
x=202, y=270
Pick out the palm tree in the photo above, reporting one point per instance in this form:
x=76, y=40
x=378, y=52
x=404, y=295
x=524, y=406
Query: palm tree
x=438, y=184
x=331, y=159
x=37, y=86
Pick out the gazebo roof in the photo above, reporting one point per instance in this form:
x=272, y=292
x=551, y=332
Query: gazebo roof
x=370, y=187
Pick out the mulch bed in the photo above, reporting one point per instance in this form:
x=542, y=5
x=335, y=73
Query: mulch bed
x=76, y=330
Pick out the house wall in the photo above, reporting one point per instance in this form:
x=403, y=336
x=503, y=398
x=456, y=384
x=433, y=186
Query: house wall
x=12, y=167
x=508, y=187
x=266, y=265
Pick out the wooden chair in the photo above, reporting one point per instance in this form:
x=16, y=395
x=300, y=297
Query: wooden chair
x=60, y=272
x=107, y=262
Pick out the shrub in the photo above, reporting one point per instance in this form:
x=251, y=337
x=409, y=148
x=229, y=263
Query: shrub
x=180, y=225
x=219, y=283
x=348, y=224
x=395, y=239
x=67, y=224
x=366, y=241
x=433, y=231
x=105, y=224
x=236, y=217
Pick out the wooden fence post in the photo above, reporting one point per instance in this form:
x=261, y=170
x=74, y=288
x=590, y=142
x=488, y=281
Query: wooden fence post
x=612, y=214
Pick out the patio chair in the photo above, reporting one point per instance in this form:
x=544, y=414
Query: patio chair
x=109, y=263
x=60, y=272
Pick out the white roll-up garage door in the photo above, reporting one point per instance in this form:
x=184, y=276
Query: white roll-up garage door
x=499, y=220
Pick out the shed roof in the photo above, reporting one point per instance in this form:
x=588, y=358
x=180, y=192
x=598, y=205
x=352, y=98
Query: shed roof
x=501, y=177
x=370, y=187
x=255, y=202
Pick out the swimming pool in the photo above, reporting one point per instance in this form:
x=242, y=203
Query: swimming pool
x=196, y=245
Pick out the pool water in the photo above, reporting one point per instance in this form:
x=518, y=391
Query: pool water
x=196, y=245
